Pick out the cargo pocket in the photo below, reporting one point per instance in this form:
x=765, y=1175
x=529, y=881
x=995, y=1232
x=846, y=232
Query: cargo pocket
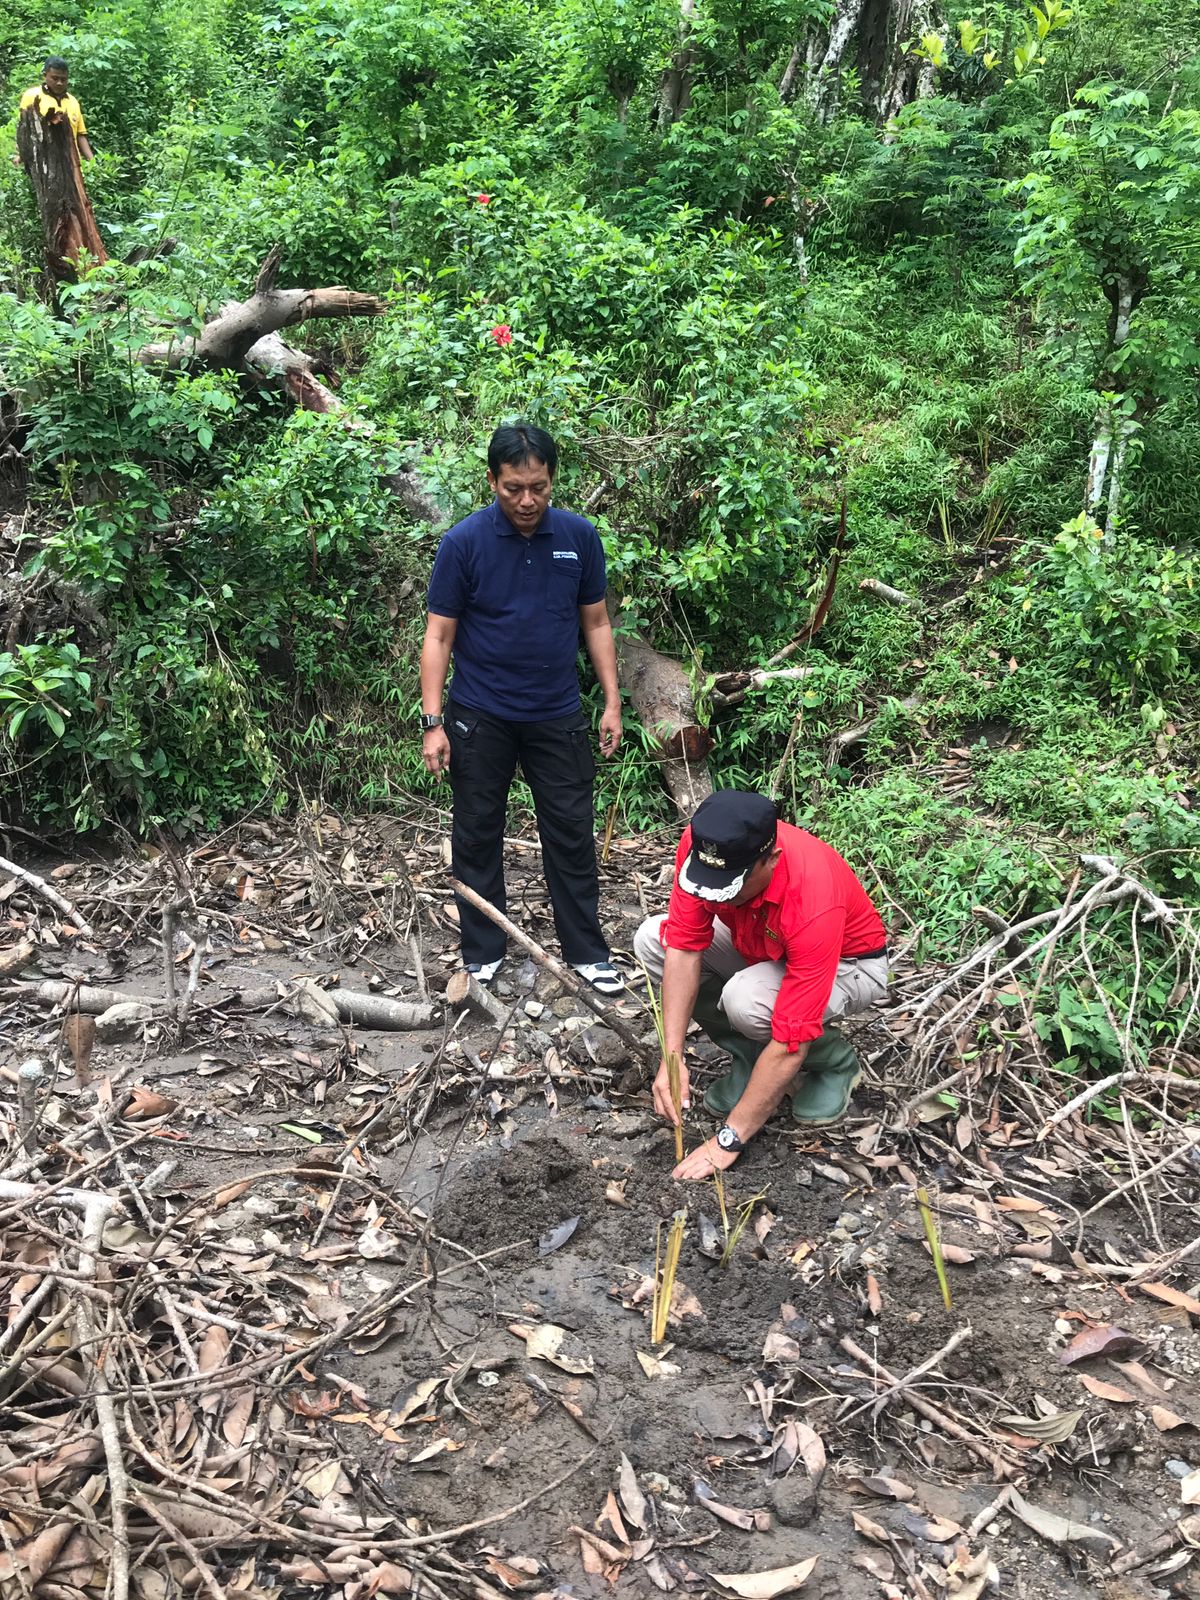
x=583, y=755
x=460, y=729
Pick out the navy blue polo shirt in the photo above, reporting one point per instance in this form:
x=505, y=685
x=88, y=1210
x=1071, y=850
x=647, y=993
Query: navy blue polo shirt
x=516, y=601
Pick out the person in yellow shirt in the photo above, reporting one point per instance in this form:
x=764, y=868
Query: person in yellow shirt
x=52, y=95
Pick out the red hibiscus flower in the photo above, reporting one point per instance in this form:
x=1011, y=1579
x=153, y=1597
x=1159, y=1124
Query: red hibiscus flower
x=484, y=199
x=502, y=334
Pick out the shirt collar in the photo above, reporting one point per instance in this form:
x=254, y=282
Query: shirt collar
x=506, y=530
x=776, y=891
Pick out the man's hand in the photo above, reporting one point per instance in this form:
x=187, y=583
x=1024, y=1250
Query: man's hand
x=662, y=1091
x=436, y=751
x=704, y=1161
x=610, y=730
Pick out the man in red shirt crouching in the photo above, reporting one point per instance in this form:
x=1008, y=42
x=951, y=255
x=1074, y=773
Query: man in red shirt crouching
x=768, y=935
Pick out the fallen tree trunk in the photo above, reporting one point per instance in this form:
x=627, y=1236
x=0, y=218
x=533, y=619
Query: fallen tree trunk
x=347, y=1005
x=662, y=696
x=227, y=340
x=49, y=153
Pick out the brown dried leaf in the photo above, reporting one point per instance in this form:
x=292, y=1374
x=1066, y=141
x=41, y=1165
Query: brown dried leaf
x=737, y=1516
x=145, y=1104
x=1141, y=1379
x=79, y=1036
x=870, y=1529
x=1172, y=1297
x=766, y=1585
x=416, y=1399
x=1164, y=1419
x=874, y=1297
x=214, y=1347
x=388, y=1578
x=236, y=1420
x=1106, y=1391
x=45, y=1550
x=779, y=1345
x=633, y=1501
x=1104, y=1340
x=514, y=1573
x=1053, y=1429
x=882, y=1488
x=1063, y=1531
x=548, y=1342
x=231, y=1192
x=812, y=1451
x=1018, y=1202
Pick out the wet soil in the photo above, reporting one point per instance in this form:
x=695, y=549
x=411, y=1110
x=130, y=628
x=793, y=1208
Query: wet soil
x=834, y=1250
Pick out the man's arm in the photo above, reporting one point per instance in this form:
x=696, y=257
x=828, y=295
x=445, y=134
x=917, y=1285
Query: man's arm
x=435, y=663
x=85, y=147
x=598, y=637
x=770, y=1080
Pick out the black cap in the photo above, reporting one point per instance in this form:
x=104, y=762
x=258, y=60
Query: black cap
x=731, y=830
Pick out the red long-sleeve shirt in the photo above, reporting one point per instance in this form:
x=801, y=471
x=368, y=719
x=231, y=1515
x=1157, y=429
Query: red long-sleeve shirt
x=812, y=914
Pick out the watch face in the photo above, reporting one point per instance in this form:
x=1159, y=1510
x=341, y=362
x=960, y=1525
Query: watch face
x=726, y=1138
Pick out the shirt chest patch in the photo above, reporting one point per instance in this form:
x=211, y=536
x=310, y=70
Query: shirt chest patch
x=566, y=555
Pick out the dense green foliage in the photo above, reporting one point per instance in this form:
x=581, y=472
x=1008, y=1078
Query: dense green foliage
x=228, y=599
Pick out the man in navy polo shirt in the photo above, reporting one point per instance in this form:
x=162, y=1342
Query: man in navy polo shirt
x=512, y=587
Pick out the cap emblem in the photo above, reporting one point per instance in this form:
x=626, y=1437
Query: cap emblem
x=711, y=859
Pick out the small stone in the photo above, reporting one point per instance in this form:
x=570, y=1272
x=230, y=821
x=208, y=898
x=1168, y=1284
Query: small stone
x=1061, y=1325
x=1178, y=1469
x=794, y=1500
x=655, y=1483
x=601, y=1046
x=534, y=1009
x=850, y=1222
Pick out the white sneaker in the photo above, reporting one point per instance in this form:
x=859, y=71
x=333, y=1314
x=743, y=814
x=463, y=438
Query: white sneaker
x=483, y=972
x=602, y=976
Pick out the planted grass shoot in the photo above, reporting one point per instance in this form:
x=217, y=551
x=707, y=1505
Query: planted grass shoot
x=935, y=1246
x=731, y=1234
x=666, y=1265
x=672, y=1060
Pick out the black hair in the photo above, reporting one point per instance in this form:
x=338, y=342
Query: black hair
x=513, y=444
x=56, y=64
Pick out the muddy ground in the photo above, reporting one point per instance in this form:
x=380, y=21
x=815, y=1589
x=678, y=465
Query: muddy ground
x=534, y=1195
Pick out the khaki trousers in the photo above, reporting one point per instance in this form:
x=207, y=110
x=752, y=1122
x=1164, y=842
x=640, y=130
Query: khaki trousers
x=749, y=989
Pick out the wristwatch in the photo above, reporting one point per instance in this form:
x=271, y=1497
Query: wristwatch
x=428, y=722
x=727, y=1138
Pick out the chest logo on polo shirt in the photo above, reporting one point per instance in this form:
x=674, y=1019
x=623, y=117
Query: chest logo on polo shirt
x=566, y=555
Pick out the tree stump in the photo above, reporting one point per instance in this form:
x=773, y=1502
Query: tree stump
x=50, y=155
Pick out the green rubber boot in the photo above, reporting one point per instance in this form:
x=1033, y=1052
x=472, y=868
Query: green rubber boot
x=721, y=1096
x=829, y=1077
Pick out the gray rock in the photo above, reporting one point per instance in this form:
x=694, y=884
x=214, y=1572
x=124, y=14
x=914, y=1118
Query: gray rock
x=601, y=1046
x=794, y=1499
x=125, y=1020
x=1178, y=1469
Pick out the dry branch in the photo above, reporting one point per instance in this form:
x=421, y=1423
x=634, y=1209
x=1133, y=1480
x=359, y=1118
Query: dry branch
x=894, y=597
x=47, y=892
x=225, y=342
x=993, y=1452
x=465, y=993
x=570, y=980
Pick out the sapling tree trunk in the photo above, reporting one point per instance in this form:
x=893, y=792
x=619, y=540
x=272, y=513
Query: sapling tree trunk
x=49, y=153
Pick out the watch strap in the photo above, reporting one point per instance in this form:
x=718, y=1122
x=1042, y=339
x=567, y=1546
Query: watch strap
x=428, y=722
